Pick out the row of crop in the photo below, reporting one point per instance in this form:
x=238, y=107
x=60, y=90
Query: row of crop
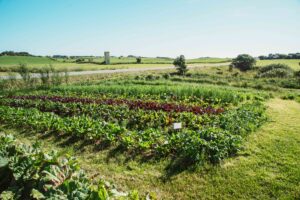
x=26, y=172
x=132, y=104
x=121, y=115
x=221, y=139
x=212, y=95
x=76, y=126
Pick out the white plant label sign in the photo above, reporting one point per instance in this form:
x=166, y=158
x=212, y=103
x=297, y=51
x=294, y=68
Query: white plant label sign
x=177, y=126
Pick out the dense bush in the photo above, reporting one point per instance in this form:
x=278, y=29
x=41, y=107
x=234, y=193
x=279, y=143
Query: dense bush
x=275, y=71
x=244, y=62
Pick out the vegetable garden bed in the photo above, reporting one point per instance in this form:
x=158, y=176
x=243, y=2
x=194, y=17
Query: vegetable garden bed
x=213, y=128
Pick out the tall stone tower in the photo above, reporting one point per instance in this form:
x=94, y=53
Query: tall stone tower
x=107, y=57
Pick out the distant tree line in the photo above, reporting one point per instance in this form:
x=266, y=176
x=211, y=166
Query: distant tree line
x=167, y=58
x=280, y=56
x=82, y=57
x=60, y=56
x=12, y=53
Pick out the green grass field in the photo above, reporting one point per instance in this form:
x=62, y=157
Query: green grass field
x=293, y=63
x=9, y=62
x=30, y=60
x=164, y=60
x=120, y=60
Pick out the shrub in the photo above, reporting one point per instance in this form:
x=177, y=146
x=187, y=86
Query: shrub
x=79, y=60
x=138, y=60
x=289, y=97
x=166, y=76
x=275, y=71
x=180, y=65
x=244, y=62
x=289, y=83
x=24, y=72
x=150, y=77
x=66, y=75
x=230, y=68
x=45, y=76
x=297, y=74
x=236, y=74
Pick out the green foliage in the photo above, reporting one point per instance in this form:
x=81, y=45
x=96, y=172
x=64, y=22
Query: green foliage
x=12, y=53
x=79, y=60
x=280, y=56
x=230, y=68
x=138, y=60
x=150, y=77
x=244, y=62
x=45, y=75
x=32, y=174
x=217, y=137
x=297, y=74
x=24, y=72
x=166, y=76
x=180, y=65
x=186, y=93
x=275, y=71
x=11, y=61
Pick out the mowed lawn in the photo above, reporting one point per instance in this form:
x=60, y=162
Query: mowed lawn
x=267, y=168
x=293, y=63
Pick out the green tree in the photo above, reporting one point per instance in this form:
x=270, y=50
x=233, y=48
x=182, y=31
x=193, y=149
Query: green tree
x=244, y=62
x=180, y=65
x=138, y=60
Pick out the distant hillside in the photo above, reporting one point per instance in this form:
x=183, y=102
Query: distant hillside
x=15, y=60
x=208, y=60
x=38, y=60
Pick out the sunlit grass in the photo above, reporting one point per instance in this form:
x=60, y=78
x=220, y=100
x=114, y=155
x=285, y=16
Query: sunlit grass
x=293, y=63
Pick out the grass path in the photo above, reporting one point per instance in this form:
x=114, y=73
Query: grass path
x=267, y=168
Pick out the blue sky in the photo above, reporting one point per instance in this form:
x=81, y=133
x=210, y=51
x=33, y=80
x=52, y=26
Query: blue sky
x=195, y=28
